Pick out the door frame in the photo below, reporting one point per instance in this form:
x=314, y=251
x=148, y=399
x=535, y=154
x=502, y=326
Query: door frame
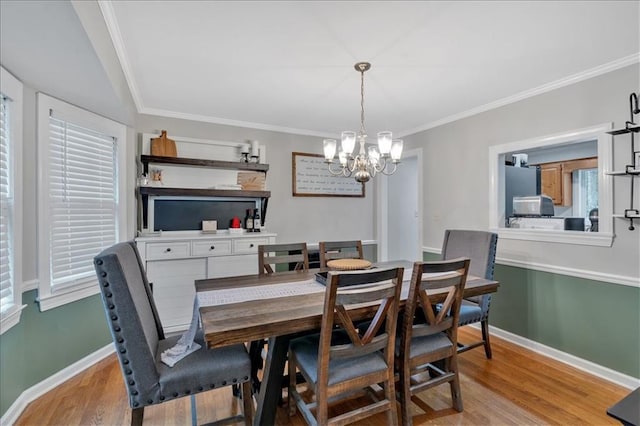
x=382, y=217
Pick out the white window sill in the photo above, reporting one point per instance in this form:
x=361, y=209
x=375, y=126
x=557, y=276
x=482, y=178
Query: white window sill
x=67, y=295
x=600, y=239
x=10, y=317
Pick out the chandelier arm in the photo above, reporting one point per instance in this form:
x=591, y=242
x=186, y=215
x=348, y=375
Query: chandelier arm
x=341, y=171
x=389, y=173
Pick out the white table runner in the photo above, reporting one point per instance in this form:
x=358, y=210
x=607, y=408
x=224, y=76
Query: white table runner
x=271, y=291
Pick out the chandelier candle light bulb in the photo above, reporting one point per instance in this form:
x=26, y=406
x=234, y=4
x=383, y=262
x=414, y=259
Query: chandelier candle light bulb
x=366, y=163
x=329, y=146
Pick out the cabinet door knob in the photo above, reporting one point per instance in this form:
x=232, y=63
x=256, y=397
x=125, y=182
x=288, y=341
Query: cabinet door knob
x=168, y=249
x=251, y=245
x=212, y=248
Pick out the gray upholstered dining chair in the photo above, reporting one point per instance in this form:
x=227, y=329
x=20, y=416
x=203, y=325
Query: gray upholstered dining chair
x=428, y=342
x=330, y=250
x=480, y=247
x=344, y=360
x=139, y=340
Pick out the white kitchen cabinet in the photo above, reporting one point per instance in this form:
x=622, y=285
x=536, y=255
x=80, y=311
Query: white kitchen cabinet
x=175, y=260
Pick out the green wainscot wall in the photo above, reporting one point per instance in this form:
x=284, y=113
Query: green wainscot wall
x=43, y=343
x=592, y=320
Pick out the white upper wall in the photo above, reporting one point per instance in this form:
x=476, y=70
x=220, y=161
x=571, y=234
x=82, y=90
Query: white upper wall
x=456, y=174
x=294, y=219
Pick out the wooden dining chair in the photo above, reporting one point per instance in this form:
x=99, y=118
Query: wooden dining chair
x=139, y=342
x=432, y=336
x=271, y=255
x=293, y=255
x=480, y=247
x=343, y=359
x=330, y=250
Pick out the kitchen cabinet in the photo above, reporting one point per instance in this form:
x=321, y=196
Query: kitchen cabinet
x=551, y=181
x=557, y=181
x=174, y=262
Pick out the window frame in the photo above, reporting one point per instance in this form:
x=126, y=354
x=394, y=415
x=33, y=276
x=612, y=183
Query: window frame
x=12, y=88
x=604, y=237
x=49, y=296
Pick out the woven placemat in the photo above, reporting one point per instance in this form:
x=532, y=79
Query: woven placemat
x=348, y=264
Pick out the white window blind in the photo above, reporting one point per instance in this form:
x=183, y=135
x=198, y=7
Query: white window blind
x=82, y=182
x=10, y=200
x=81, y=207
x=6, y=249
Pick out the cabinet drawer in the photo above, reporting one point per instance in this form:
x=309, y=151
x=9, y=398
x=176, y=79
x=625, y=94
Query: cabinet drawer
x=211, y=247
x=248, y=245
x=168, y=250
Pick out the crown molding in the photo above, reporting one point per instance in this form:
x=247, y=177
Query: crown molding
x=230, y=122
x=106, y=7
x=567, y=81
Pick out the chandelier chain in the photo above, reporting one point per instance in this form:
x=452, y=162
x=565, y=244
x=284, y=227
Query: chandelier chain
x=362, y=130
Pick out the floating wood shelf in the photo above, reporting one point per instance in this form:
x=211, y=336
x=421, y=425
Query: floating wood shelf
x=202, y=192
x=197, y=162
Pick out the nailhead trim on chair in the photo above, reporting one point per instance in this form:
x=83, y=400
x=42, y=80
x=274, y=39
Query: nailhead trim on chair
x=121, y=351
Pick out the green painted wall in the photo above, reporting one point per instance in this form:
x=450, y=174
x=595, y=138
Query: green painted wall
x=596, y=321
x=44, y=343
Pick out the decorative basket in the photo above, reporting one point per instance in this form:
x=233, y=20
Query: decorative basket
x=348, y=264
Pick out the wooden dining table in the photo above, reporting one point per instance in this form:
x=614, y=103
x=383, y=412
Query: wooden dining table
x=280, y=319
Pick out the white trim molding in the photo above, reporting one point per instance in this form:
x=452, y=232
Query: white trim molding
x=603, y=277
x=30, y=285
x=589, y=367
x=66, y=295
x=604, y=238
x=13, y=88
x=572, y=272
x=51, y=382
x=11, y=317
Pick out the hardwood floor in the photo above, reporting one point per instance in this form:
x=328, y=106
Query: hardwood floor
x=516, y=387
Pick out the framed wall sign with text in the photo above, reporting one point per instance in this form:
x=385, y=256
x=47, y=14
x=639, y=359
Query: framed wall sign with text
x=311, y=178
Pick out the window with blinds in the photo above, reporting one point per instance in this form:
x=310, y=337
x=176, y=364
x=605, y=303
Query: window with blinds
x=6, y=249
x=81, y=207
x=10, y=200
x=82, y=199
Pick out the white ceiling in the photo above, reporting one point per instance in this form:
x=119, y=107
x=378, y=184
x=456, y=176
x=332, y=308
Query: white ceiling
x=289, y=65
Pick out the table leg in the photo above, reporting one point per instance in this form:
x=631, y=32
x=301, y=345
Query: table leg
x=271, y=387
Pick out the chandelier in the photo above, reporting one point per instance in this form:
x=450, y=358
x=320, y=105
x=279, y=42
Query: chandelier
x=381, y=159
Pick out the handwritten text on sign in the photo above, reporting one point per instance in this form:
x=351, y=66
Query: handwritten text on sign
x=312, y=178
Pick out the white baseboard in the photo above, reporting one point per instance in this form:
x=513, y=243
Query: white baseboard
x=39, y=389
x=592, y=368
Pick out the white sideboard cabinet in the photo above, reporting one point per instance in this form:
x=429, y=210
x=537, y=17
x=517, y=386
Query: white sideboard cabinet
x=173, y=262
